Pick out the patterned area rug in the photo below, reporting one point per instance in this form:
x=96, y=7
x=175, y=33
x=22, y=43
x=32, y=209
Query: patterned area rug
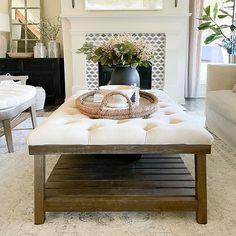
x=16, y=201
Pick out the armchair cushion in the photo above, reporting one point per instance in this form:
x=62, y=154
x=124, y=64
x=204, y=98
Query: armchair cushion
x=223, y=102
x=6, y=82
x=14, y=95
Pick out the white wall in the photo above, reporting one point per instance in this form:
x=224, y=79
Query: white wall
x=4, y=6
x=172, y=21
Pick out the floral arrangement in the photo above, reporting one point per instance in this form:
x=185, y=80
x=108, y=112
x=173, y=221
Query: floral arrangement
x=49, y=29
x=119, y=50
x=220, y=31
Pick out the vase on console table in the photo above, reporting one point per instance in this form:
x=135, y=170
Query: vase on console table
x=40, y=50
x=53, y=49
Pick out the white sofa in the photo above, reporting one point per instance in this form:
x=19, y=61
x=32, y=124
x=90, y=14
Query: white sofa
x=221, y=102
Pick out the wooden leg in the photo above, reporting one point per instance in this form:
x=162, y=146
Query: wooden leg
x=196, y=177
x=8, y=134
x=33, y=116
x=39, y=189
x=201, y=188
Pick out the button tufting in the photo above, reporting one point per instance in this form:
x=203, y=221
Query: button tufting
x=168, y=113
x=175, y=121
x=121, y=121
x=95, y=126
x=162, y=106
x=71, y=122
x=149, y=127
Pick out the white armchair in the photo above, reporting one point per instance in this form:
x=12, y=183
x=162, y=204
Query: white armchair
x=14, y=99
x=221, y=102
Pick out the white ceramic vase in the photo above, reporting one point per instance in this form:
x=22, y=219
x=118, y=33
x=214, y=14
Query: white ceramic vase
x=53, y=49
x=40, y=51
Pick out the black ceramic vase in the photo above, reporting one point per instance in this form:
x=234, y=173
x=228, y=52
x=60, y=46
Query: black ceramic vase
x=125, y=75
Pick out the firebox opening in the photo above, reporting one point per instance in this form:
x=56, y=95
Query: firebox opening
x=145, y=74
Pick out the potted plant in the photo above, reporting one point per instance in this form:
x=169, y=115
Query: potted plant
x=49, y=30
x=124, y=53
x=212, y=20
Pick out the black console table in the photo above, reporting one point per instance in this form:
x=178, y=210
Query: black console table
x=45, y=72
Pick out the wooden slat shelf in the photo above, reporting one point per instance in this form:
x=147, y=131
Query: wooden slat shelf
x=114, y=183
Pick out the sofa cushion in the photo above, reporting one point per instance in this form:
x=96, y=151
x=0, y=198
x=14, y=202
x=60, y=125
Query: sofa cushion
x=234, y=88
x=223, y=102
x=14, y=95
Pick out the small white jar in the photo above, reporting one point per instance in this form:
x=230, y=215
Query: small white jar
x=40, y=51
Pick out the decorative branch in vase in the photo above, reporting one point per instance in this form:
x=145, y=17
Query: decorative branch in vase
x=176, y=3
x=123, y=53
x=221, y=32
x=49, y=30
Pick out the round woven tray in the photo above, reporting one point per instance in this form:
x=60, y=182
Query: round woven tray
x=86, y=105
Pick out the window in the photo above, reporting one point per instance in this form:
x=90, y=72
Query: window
x=212, y=53
x=101, y=5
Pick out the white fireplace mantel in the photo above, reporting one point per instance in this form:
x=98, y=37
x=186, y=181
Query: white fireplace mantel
x=174, y=23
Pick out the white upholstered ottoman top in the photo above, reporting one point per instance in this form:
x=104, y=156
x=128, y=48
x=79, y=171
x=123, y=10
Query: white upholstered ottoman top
x=14, y=95
x=169, y=125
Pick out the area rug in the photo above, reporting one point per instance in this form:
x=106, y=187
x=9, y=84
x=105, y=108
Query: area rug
x=16, y=201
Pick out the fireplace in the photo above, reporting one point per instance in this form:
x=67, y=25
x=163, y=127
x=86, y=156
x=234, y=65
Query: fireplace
x=171, y=24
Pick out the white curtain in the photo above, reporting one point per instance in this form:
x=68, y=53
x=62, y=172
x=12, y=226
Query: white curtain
x=193, y=78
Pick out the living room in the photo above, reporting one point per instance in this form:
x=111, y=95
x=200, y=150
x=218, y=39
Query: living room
x=117, y=117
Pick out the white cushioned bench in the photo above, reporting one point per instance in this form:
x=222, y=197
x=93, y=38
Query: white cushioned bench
x=168, y=131
x=169, y=125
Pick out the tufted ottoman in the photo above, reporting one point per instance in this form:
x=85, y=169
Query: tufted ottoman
x=167, y=132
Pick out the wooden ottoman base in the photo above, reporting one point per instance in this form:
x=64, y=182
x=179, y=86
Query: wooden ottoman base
x=124, y=183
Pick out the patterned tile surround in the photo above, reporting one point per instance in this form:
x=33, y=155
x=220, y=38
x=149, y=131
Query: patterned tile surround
x=157, y=40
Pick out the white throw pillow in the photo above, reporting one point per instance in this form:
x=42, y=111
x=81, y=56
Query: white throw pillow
x=234, y=88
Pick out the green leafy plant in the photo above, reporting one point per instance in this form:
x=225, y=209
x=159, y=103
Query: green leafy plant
x=119, y=50
x=218, y=31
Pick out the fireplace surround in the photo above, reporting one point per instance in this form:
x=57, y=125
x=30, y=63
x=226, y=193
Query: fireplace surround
x=171, y=21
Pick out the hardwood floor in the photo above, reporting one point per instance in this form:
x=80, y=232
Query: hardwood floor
x=195, y=105
x=47, y=110
x=196, y=109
